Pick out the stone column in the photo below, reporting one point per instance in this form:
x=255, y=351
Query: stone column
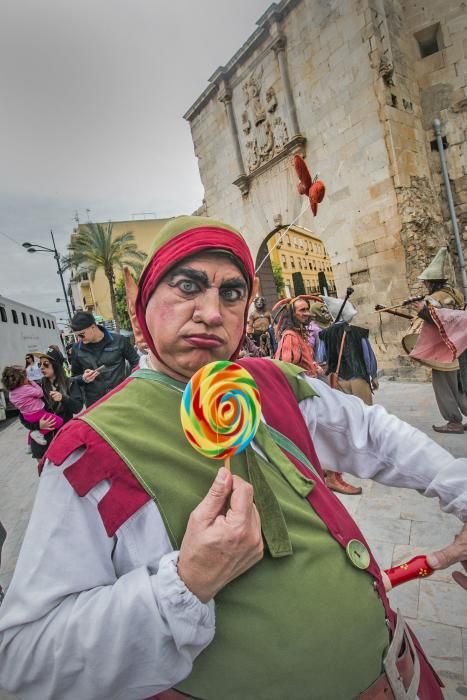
x=279, y=49
x=225, y=96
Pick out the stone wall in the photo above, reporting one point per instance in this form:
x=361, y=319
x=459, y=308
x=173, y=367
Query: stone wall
x=442, y=81
x=354, y=107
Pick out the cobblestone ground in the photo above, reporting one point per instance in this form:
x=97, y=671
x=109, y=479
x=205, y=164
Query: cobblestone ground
x=398, y=523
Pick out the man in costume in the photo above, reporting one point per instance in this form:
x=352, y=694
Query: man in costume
x=260, y=325
x=348, y=352
x=134, y=535
x=292, y=319
x=449, y=379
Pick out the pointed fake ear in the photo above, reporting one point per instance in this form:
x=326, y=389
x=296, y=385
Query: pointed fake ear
x=131, y=289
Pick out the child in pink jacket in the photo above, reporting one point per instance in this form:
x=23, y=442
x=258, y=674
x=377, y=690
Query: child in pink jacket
x=26, y=396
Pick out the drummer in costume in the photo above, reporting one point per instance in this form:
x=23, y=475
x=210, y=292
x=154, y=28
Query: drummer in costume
x=143, y=567
x=449, y=379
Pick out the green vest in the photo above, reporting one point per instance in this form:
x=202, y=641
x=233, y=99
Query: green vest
x=307, y=625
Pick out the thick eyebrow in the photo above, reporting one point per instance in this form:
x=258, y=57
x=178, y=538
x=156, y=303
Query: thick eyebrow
x=195, y=275
x=234, y=283
x=202, y=278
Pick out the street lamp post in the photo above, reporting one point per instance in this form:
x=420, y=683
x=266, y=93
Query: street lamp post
x=37, y=248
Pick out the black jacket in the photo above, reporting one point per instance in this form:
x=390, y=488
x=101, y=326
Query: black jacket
x=116, y=352
x=71, y=403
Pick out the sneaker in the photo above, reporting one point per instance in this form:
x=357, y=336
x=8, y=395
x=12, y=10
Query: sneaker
x=28, y=449
x=37, y=436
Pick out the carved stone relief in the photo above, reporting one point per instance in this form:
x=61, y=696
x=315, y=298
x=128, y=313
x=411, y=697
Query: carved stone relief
x=265, y=130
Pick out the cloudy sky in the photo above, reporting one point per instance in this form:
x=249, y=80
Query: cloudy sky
x=92, y=94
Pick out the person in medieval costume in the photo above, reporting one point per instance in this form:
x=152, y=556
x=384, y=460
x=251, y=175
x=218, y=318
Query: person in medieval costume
x=145, y=567
x=346, y=352
x=357, y=370
x=260, y=325
x=292, y=317
x=449, y=379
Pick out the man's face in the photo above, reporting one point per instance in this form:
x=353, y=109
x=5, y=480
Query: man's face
x=89, y=334
x=301, y=311
x=196, y=314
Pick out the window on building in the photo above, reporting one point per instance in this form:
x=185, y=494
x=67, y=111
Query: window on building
x=14, y=316
x=287, y=239
x=292, y=261
x=48, y=323
x=31, y=318
x=300, y=263
x=3, y=315
x=25, y=319
x=53, y=325
x=38, y=321
x=429, y=40
x=284, y=260
x=84, y=276
x=44, y=325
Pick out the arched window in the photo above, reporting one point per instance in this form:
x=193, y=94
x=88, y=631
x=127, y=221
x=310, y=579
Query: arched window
x=3, y=314
x=31, y=318
x=25, y=319
x=14, y=315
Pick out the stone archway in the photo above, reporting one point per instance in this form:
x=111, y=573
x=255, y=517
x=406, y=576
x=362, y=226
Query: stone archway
x=303, y=259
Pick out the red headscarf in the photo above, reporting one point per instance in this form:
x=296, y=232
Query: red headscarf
x=183, y=237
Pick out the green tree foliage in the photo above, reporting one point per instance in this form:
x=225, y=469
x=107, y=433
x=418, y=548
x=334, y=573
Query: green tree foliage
x=122, y=311
x=94, y=247
x=278, y=279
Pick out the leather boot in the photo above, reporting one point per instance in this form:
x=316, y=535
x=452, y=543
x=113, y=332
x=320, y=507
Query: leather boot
x=335, y=482
x=450, y=427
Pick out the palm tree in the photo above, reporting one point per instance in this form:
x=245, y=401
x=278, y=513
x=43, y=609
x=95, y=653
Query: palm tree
x=94, y=248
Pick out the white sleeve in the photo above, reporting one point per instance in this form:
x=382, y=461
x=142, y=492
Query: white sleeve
x=95, y=617
x=369, y=442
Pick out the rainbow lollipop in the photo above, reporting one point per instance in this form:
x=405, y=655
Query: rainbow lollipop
x=220, y=410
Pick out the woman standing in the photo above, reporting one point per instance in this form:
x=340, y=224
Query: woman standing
x=62, y=396
x=33, y=371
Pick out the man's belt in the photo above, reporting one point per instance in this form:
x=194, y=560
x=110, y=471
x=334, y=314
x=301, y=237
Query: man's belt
x=399, y=681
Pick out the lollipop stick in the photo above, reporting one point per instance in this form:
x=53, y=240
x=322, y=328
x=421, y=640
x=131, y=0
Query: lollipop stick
x=227, y=463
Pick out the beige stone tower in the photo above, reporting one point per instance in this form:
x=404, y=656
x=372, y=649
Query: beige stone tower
x=354, y=86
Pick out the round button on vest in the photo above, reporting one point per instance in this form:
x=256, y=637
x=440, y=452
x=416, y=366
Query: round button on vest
x=358, y=554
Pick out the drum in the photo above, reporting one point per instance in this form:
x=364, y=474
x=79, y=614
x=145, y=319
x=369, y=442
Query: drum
x=409, y=341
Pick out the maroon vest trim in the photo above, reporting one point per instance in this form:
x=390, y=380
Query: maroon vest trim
x=99, y=462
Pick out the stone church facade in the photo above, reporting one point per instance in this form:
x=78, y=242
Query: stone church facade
x=354, y=87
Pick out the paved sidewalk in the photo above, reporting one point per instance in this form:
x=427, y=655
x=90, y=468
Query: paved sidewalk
x=398, y=523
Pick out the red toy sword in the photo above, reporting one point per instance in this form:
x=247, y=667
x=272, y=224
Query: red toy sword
x=417, y=567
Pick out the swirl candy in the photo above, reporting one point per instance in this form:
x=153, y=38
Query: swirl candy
x=220, y=410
